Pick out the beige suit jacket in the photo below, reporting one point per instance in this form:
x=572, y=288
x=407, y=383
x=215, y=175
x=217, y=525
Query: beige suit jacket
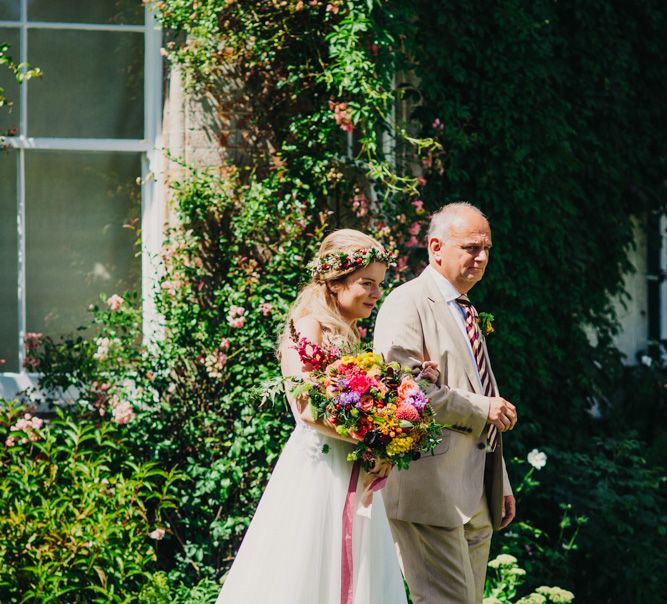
x=444, y=489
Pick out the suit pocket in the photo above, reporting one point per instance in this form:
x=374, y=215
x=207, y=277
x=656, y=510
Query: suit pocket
x=442, y=447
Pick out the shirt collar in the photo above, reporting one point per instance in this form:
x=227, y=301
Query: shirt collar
x=448, y=291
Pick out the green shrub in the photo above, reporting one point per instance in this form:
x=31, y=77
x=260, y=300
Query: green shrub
x=76, y=515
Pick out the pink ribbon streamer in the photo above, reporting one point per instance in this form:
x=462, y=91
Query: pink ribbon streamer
x=346, y=562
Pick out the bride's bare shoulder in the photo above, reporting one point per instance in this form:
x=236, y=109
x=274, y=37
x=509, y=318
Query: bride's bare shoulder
x=310, y=328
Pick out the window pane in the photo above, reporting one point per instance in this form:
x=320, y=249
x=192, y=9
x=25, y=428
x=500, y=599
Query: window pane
x=87, y=11
x=93, y=84
x=9, y=318
x=9, y=10
x=76, y=245
x=9, y=116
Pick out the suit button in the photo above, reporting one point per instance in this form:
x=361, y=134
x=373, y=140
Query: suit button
x=481, y=446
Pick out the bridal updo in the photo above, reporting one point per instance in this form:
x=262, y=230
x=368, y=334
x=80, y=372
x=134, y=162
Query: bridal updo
x=317, y=299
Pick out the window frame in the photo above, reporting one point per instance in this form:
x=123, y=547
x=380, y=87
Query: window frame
x=152, y=167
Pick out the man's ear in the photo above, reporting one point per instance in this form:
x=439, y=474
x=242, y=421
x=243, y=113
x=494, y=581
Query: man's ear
x=435, y=248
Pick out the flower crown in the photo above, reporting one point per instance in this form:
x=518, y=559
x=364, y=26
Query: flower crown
x=343, y=262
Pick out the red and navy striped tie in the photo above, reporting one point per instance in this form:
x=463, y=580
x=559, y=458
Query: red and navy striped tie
x=483, y=365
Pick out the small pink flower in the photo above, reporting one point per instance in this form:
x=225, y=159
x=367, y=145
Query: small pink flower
x=418, y=204
x=438, y=125
x=412, y=242
x=224, y=344
x=121, y=411
x=266, y=309
x=402, y=263
x=360, y=205
x=31, y=363
x=237, y=322
x=115, y=302
x=157, y=534
x=414, y=229
x=421, y=181
x=32, y=340
x=10, y=441
x=170, y=287
x=235, y=311
x=363, y=332
x=342, y=116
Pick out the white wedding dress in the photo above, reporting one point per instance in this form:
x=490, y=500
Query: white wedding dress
x=291, y=553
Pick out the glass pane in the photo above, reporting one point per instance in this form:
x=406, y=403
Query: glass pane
x=76, y=244
x=9, y=115
x=93, y=84
x=10, y=10
x=9, y=317
x=85, y=11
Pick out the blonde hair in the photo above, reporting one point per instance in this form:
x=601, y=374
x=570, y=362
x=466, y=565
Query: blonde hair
x=317, y=299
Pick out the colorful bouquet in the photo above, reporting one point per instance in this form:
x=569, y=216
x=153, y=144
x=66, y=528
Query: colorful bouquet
x=379, y=404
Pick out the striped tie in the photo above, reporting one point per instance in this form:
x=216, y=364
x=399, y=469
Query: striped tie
x=483, y=365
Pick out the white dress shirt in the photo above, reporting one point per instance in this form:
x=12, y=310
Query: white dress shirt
x=450, y=294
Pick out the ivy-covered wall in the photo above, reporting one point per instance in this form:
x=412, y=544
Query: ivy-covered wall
x=552, y=119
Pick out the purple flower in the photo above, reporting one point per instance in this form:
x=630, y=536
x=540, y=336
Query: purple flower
x=417, y=400
x=346, y=399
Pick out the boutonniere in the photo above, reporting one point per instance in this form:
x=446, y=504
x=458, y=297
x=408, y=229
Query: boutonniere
x=485, y=322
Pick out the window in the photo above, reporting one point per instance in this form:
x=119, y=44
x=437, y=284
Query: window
x=81, y=145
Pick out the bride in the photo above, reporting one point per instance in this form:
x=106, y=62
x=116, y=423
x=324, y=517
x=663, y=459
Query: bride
x=292, y=551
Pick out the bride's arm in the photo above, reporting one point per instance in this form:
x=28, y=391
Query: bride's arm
x=291, y=365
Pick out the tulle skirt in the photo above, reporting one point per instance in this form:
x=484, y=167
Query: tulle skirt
x=291, y=553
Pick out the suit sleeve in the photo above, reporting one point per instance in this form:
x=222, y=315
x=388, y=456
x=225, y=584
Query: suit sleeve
x=399, y=337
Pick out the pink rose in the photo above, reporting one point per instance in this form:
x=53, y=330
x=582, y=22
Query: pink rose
x=363, y=332
x=414, y=229
x=115, y=302
x=366, y=403
x=360, y=383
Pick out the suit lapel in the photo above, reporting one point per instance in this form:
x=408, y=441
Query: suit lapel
x=452, y=331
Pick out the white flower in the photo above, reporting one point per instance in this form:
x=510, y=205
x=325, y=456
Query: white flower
x=537, y=459
x=157, y=534
x=503, y=560
x=647, y=360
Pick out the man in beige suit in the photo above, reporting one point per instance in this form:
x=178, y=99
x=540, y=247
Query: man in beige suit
x=443, y=509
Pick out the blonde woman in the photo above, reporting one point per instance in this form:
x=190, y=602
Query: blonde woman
x=291, y=553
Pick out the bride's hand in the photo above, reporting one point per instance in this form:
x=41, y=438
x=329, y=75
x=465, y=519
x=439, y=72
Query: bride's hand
x=429, y=371
x=381, y=469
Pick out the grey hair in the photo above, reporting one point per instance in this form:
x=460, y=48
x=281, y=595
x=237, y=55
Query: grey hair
x=447, y=216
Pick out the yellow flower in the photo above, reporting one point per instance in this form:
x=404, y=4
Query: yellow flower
x=401, y=444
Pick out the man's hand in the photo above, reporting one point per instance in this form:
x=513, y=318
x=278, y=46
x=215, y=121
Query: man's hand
x=502, y=413
x=509, y=510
